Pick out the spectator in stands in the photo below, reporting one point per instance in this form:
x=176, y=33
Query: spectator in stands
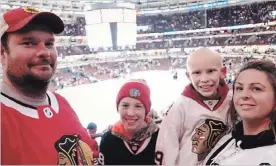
x=92, y=130
x=131, y=141
x=38, y=127
x=253, y=117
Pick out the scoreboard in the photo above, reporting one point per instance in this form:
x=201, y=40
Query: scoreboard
x=111, y=28
x=110, y=15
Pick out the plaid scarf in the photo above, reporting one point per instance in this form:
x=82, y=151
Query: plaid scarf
x=139, y=136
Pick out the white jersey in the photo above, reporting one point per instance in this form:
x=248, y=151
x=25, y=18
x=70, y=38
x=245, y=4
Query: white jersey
x=191, y=128
x=232, y=151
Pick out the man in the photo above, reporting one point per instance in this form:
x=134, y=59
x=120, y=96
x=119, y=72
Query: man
x=38, y=127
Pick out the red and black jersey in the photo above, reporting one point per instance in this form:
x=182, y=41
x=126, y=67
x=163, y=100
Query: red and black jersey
x=49, y=134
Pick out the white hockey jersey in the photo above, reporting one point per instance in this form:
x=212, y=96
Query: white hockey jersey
x=237, y=149
x=191, y=128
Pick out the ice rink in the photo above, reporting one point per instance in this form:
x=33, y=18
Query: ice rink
x=96, y=102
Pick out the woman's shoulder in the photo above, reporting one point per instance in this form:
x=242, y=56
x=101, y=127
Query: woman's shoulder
x=256, y=156
x=221, y=144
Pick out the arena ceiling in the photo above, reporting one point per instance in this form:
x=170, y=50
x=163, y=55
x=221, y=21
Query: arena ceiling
x=80, y=5
x=68, y=10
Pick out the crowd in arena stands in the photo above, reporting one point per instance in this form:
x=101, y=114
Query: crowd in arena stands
x=249, y=36
x=94, y=72
x=76, y=28
x=214, y=33
x=222, y=17
x=74, y=50
x=211, y=41
x=239, y=15
x=227, y=16
x=161, y=43
x=72, y=76
x=264, y=35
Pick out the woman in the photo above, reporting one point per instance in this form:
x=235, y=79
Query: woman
x=253, y=113
x=131, y=141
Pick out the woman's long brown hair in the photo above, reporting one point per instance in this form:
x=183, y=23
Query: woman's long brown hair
x=269, y=68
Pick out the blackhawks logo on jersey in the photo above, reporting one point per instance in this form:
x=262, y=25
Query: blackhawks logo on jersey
x=206, y=136
x=72, y=151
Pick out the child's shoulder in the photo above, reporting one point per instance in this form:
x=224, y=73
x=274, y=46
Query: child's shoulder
x=182, y=100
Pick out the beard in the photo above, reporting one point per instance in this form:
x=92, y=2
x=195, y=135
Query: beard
x=28, y=82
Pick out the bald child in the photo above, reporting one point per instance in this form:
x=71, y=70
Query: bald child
x=196, y=120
